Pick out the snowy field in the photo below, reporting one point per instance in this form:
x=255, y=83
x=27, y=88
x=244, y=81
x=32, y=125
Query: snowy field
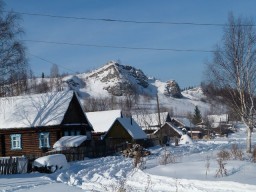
x=194, y=170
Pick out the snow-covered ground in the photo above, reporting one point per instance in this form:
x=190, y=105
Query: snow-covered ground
x=194, y=170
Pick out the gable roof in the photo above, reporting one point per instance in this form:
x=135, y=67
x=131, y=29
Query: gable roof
x=34, y=110
x=171, y=126
x=101, y=121
x=147, y=121
x=185, y=122
x=131, y=127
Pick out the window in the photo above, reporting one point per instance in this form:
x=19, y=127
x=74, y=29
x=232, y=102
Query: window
x=66, y=133
x=78, y=132
x=44, y=140
x=72, y=132
x=89, y=135
x=16, y=141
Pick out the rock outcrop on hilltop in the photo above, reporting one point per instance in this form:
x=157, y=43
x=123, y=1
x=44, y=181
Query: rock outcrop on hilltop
x=172, y=89
x=120, y=79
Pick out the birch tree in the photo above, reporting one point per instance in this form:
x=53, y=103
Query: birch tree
x=13, y=64
x=233, y=69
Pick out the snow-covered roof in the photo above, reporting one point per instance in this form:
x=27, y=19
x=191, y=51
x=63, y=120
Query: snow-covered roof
x=184, y=121
x=195, y=132
x=215, y=120
x=150, y=120
x=218, y=118
x=34, y=110
x=132, y=128
x=174, y=128
x=69, y=141
x=101, y=121
x=52, y=160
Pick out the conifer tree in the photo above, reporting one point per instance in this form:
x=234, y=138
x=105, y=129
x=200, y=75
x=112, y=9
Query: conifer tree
x=197, y=117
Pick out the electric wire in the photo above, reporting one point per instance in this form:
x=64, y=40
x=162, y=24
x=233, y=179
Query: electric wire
x=119, y=47
x=125, y=21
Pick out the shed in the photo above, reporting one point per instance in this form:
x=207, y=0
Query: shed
x=124, y=130
x=167, y=133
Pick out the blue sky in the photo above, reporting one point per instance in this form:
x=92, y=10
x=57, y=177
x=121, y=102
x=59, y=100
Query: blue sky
x=184, y=67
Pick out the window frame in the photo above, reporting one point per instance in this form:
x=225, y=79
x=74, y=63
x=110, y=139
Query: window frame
x=72, y=132
x=46, y=140
x=17, y=141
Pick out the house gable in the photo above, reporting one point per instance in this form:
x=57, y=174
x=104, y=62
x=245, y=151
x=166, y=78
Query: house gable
x=168, y=130
x=126, y=128
x=117, y=131
x=75, y=114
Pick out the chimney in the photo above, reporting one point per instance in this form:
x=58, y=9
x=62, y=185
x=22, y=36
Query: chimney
x=131, y=120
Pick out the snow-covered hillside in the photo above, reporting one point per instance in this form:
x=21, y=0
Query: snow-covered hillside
x=118, y=80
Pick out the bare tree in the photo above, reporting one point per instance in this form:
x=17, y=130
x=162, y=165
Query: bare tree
x=97, y=104
x=13, y=63
x=54, y=71
x=55, y=83
x=233, y=69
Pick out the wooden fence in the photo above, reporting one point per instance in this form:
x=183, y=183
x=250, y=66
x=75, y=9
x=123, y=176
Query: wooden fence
x=79, y=153
x=13, y=165
x=72, y=154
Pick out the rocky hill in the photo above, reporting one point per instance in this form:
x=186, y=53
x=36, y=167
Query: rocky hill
x=123, y=81
x=119, y=80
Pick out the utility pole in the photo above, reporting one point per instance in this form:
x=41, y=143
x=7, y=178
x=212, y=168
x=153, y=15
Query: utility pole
x=158, y=111
x=159, y=118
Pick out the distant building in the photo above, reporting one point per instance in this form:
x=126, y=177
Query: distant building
x=217, y=120
x=151, y=121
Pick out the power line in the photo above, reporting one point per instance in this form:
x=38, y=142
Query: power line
x=119, y=47
x=126, y=21
x=50, y=62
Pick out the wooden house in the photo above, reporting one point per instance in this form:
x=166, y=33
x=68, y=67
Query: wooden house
x=167, y=133
x=196, y=133
x=124, y=130
x=217, y=121
x=32, y=124
x=185, y=124
x=219, y=124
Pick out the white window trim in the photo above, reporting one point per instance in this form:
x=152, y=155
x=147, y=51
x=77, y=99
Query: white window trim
x=48, y=140
x=18, y=141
